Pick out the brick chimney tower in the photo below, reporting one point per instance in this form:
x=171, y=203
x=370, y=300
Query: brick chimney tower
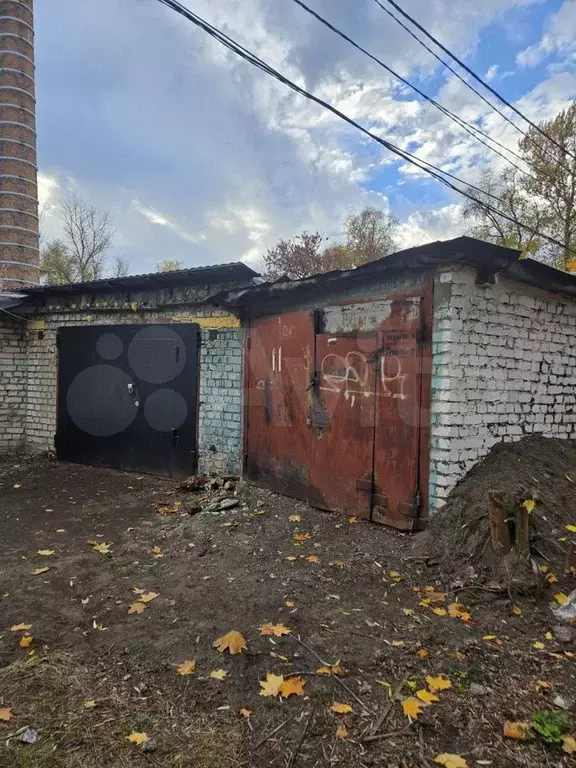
x=19, y=247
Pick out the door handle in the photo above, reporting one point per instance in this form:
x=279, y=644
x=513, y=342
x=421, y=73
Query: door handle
x=175, y=437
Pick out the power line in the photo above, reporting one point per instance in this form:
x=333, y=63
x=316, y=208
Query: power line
x=468, y=127
x=471, y=87
x=423, y=165
x=479, y=79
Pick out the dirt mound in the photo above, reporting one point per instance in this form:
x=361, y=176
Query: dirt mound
x=534, y=468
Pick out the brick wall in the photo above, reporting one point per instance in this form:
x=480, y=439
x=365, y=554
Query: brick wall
x=220, y=385
x=504, y=365
x=12, y=382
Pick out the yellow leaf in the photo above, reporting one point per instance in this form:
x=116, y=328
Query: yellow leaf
x=147, y=597
x=293, y=686
x=21, y=627
x=408, y=611
x=276, y=630
x=561, y=598
x=137, y=738
x=294, y=518
x=438, y=683
x=439, y=611
x=218, y=674
x=451, y=761
x=156, y=552
x=271, y=686
x=313, y=559
x=426, y=696
x=89, y=703
x=336, y=563
x=529, y=505
x=352, y=519
x=538, y=645
x=232, y=641
x=323, y=671
x=543, y=684
x=459, y=611
x=339, y=708
x=100, y=546
x=341, y=733
x=549, y=636
x=6, y=714
x=100, y=627
x=136, y=608
x=289, y=604
x=489, y=637
x=45, y=552
x=412, y=684
x=38, y=571
x=245, y=712
x=422, y=653
x=516, y=610
x=302, y=536
x=386, y=684
x=26, y=641
x=291, y=558
x=551, y=578
x=397, y=643
x=412, y=708
x=187, y=667
x=433, y=596
x=520, y=731
x=572, y=529
x=568, y=743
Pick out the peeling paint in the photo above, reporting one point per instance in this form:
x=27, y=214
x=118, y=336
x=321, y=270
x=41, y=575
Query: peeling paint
x=209, y=322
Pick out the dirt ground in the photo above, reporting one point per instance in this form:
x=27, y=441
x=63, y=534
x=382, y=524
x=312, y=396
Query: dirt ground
x=350, y=594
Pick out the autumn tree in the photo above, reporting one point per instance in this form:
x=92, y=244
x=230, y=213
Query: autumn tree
x=169, y=265
x=553, y=178
x=296, y=258
x=80, y=253
x=370, y=235
x=514, y=201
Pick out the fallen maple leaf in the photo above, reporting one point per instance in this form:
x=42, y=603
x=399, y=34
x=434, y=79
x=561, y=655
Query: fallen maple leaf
x=408, y=611
x=538, y=645
x=323, y=671
x=302, y=536
x=412, y=708
x=422, y=653
x=293, y=686
x=294, y=518
x=100, y=546
x=313, y=559
x=529, y=505
x=89, y=704
x=459, y=611
x=168, y=509
x=137, y=738
x=38, y=571
x=233, y=641
x=275, y=630
x=395, y=575
x=352, y=519
x=438, y=683
x=516, y=610
x=568, y=743
x=147, y=597
x=136, y=608
x=45, y=552
x=397, y=643
x=245, y=712
x=272, y=685
x=291, y=558
x=519, y=731
x=20, y=627
x=543, y=684
x=26, y=641
x=156, y=552
x=451, y=761
x=426, y=696
x=341, y=733
x=340, y=708
x=439, y=611
x=187, y=667
x=289, y=604
x=6, y=714
x=218, y=674
x=561, y=598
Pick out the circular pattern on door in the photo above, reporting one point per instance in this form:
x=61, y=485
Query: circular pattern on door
x=166, y=362
x=165, y=410
x=109, y=346
x=100, y=401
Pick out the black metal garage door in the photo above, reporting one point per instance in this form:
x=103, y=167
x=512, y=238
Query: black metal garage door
x=128, y=397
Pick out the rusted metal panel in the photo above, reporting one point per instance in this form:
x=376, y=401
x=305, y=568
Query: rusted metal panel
x=333, y=407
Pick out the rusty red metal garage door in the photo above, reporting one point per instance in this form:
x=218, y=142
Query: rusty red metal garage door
x=334, y=403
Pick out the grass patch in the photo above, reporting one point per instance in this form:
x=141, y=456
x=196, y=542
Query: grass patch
x=48, y=694
x=550, y=725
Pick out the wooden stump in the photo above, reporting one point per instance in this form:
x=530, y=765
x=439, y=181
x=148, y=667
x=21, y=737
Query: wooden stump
x=499, y=530
x=522, y=530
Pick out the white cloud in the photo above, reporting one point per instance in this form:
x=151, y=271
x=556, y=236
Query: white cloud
x=159, y=219
x=491, y=73
x=558, y=37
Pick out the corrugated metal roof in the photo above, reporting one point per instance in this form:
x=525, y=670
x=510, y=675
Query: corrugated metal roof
x=216, y=273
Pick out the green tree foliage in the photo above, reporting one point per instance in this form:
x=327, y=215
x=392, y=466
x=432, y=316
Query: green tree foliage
x=169, y=265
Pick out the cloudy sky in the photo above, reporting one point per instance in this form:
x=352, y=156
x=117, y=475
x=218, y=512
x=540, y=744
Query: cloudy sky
x=202, y=158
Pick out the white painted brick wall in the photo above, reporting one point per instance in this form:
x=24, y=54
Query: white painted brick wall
x=12, y=382
x=504, y=366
